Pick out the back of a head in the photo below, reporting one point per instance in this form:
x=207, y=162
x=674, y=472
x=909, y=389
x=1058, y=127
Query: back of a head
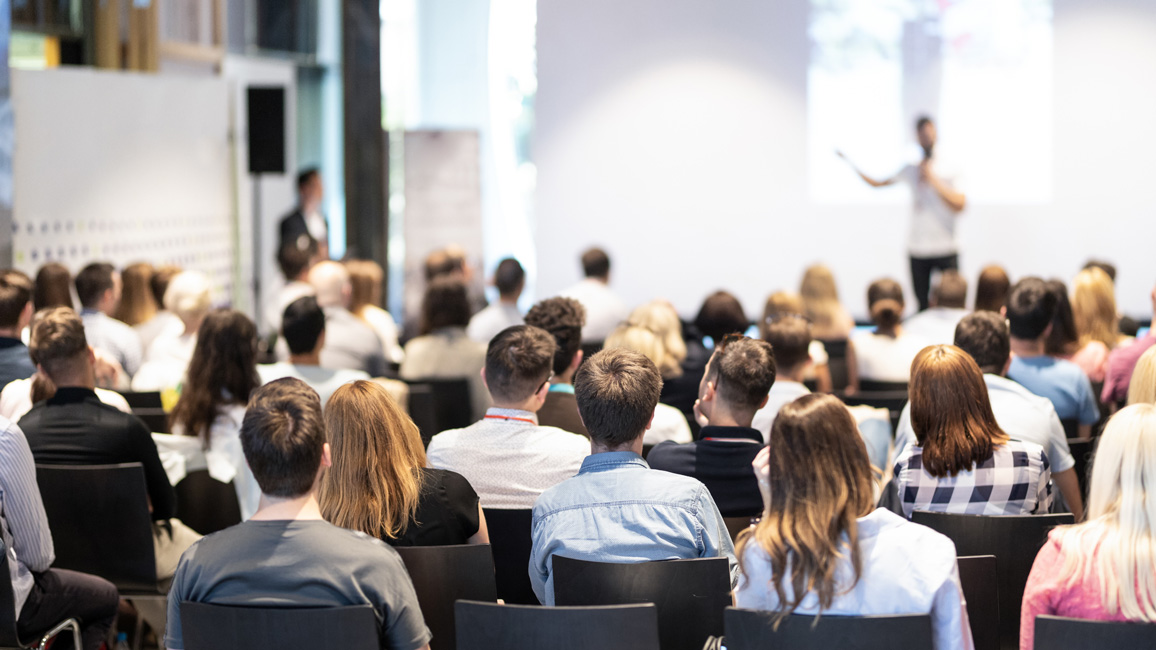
x=721, y=314
x=189, y=295
x=92, y=281
x=365, y=277
x=1031, y=306
x=294, y=261
x=519, y=361
x=283, y=437
x=596, y=263
x=57, y=341
x=15, y=293
x=991, y=289
x=223, y=370
x=659, y=317
x=445, y=262
x=640, y=340
x=950, y=411
x=136, y=301
x=779, y=303
x=617, y=391
x=302, y=325
x=52, y=287
x=330, y=282
x=951, y=290
x=446, y=304
x=885, y=302
x=159, y=282
x=305, y=178
x=743, y=371
x=1063, y=339
x=509, y=278
x=1108, y=268
x=563, y=318
x=1142, y=387
x=984, y=336
x=790, y=338
x=1094, y=307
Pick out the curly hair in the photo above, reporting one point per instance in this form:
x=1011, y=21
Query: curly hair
x=563, y=318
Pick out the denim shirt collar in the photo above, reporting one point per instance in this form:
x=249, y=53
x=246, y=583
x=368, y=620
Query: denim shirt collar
x=609, y=460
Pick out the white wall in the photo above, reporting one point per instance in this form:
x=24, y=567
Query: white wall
x=674, y=134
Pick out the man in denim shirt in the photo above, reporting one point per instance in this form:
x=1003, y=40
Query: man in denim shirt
x=617, y=509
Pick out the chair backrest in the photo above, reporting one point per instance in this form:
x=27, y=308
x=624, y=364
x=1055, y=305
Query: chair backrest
x=205, y=504
x=837, y=363
x=443, y=575
x=437, y=405
x=1083, y=452
x=510, y=539
x=736, y=525
x=100, y=522
x=754, y=630
x=212, y=627
x=150, y=409
x=690, y=594
x=1013, y=540
x=8, y=637
x=1071, y=427
x=874, y=386
x=1056, y=633
x=147, y=400
x=488, y=626
x=977, y=576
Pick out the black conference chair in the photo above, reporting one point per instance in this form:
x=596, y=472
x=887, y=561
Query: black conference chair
x=488, y=626
x=8, y=636
x=437, y=405
x=510, y=539
x=873, y=386
x=205, y=504
x=736, y=525
x=977, y=576
x=754, y=630
x=442, y=575
x=690, y=594
x=1071, y=427
x=213, y=627
x=149, y=408
x=1057, y=633
x=837, y=363
x=1013, y=540
x=1083, y=452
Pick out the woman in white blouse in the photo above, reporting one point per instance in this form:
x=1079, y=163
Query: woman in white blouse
x=886, y=353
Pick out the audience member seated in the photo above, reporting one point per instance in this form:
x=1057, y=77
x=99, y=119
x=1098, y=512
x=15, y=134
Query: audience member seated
x=15, y=314
x=53, y=287
x=136, y=299
x=885, y=353
x=738, y=377
x=936, y=324
x=991, y=289
x=379, y=483
x=443, y=351
x=294, y=263
x=18, y=396
x=832, y=324
x=510, y=280
x=823, y=548
x=1142, y=388
x=784, y=303
x=617, y=509
x=1030, y=312
x=1105, y=568
x=287, y=554
x=1020, y=414
x=508, y=457
x=604, y=309
x=681, y=374
x=790, y=339
x=1063, y=341
x=303, y=327
x=163, y=321
x=962, y=461
x=1123, y=360
x=189, y=298
x=43, y=596
x=669, y=423
x=98, y=288
x=1097, y=323
x=365, y=277
x=350, y=344
x=221, y=376
x=563, y=319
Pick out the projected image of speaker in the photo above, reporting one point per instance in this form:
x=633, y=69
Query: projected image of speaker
x=266, y=129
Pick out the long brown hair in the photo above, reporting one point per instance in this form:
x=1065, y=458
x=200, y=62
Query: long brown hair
x=223, y=371
x=820, y=484
x=992, y=289
x=365, y=277
x=376, y=478
x=52, y=287
x=950, y=411
x=136, y=299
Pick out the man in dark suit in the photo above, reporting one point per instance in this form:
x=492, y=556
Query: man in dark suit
x=306, y=224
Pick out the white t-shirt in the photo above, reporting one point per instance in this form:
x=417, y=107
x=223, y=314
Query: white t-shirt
x=496, y=317
x=936, y=325
x=885, y=358
x=323, y=380
x=783, y=392
x=669, y=424
x=604, y=309
x=932, y=230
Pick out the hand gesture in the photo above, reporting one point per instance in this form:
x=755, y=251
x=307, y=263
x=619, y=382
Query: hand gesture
x=762, y=467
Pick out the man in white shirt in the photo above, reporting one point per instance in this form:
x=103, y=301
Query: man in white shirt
x=98, y=286
x=936, y=325
x=507, y=457
x=790, y=338
x=1019, y=412
x=604, y=309
x=510, y=279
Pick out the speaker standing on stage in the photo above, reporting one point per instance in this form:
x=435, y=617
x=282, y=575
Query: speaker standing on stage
x=937, y=202
x=306, y=223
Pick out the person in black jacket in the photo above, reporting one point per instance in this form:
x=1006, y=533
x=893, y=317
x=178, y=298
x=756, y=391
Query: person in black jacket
x=305, y=225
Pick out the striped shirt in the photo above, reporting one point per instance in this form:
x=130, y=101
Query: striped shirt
x=23, y=523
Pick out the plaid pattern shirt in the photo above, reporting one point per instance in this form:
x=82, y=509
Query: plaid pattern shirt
x=1016, y=480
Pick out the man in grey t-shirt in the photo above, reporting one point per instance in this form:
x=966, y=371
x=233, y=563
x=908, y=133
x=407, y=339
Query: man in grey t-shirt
x=287, y=555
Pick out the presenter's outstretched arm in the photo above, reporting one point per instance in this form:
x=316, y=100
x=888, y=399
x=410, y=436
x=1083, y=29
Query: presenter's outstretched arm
x=873, y=182
x=957, y=201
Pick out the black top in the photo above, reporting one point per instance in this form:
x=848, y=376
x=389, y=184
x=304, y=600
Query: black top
x=721, y=459
x=295, y=231
x=447, y=512
x=681, y=392
x=14, y=360
x=74, y=427
x=561, y=410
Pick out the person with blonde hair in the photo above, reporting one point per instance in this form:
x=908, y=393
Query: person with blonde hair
x=1097, y=324
x=821, y=304
x=669, y=422
x=1104, y=568
x=822, y=547
x=379, y=483
x=365, y=277
x=659, y=317
x=1142, y=388
x=136, y=299
x=188, y=296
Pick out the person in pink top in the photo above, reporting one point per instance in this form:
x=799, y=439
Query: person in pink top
x=1105, y=568
x=1122, y=362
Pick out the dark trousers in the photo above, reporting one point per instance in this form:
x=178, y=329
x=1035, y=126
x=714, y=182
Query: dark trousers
x=58, y=594
x=921, y=268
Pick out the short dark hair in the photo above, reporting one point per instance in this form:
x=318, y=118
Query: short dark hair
x=293, y=260
x=885, y=302
x=443, y=262
x=305, y=176
x=984, y=335
x=790, y=338
x=617, y=391
x=563, y=318
x=721, y=314
x=159, y=282
x=743, y=371
x=15, y=293
x=1030, y=308
x=951, y=290
x=509, y=277
x=302, y=324
x=282, y=436
x=446, y=304
x=92, y=281
x=922, y=121
x=1106, y=267
x=595, y=263
x=518, y=362
x=56, y=339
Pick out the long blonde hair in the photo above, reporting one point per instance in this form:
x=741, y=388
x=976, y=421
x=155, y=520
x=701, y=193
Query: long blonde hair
x=376, y=479
x=1121, y=518
x=1142, y=387
x=659, y=317
x=821, y=302
x=1094, y=308
x=637, y=339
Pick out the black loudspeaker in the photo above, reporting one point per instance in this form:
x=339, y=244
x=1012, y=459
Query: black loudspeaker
x=266, y=129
